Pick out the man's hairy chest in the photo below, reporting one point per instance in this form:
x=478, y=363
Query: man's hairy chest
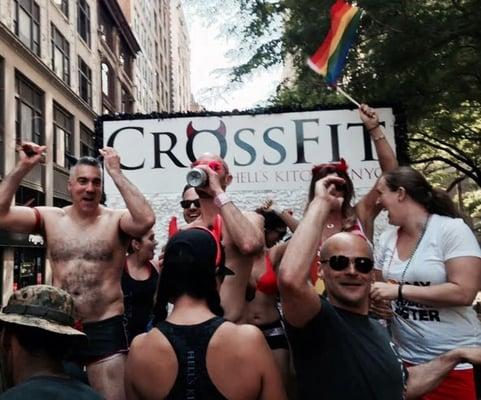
x=81, y=249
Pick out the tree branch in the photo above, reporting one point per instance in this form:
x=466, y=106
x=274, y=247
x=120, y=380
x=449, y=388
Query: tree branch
x=452, y=164
x=459, y=179
x=450, y=149
x=440, y=147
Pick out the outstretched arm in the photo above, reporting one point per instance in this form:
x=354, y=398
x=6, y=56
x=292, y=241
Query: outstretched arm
x=15, y=218
x=367, y=209
x=139, y=217
x=299, y=299
x=425, y=377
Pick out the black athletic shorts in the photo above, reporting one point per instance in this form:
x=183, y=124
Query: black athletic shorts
x=105, y=338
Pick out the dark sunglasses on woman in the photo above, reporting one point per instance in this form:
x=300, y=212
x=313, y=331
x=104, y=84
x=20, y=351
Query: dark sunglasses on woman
x=361, y=264
x=188, y=203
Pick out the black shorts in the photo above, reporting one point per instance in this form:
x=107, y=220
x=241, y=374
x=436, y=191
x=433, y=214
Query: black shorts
x=275, y=335
x=105, y=338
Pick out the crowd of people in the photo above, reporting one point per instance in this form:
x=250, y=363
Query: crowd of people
x=230, y=309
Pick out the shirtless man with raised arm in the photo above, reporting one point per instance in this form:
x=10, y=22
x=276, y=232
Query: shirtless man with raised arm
x=242, y=232
x=87, y=246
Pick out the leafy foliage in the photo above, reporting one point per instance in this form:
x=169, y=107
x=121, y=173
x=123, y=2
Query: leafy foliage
x=425, y=55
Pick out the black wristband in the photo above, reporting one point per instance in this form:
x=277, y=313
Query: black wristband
x=374, y=127
x=400, y=292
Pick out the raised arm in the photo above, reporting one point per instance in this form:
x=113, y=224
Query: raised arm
x=17, y=218
x=366, y=208
x=139, y=217
x=425, y=377
x=284, y=214
x=299, y=300
x=245, y=229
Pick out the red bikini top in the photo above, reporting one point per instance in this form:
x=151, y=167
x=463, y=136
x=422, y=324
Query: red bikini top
x=267, y=283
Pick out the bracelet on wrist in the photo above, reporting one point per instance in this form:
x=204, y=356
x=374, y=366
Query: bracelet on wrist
x=377, y=138
x=400, y=292
x=221, y=199
x=374, y=127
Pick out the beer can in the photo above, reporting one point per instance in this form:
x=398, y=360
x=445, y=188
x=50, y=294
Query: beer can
x=197, y=177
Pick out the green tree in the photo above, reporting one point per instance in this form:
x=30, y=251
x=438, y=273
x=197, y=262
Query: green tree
x=424, y=55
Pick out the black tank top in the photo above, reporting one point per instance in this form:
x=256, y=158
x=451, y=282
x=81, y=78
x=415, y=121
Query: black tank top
x=138, y=301
x=190, y=344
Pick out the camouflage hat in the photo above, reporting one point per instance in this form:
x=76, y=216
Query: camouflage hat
x=42, y=307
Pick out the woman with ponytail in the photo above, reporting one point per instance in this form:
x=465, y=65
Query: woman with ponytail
x=193, y=352
x=430, y=262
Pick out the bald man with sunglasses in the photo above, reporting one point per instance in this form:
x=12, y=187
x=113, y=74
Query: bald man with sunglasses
x=338, y=351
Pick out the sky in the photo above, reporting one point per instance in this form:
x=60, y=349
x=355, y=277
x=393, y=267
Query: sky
x=208, y=86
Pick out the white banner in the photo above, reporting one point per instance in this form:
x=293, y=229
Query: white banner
x=263, y=151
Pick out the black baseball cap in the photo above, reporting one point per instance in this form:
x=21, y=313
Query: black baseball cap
x=196, y=249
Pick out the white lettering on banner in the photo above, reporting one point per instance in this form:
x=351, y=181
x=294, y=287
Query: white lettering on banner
x=263, y=151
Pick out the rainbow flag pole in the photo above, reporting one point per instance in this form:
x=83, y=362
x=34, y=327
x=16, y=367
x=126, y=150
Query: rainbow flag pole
x=330, y=57
x=347, y=96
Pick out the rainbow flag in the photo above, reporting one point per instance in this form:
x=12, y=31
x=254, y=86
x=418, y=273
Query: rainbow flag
x=329, y=59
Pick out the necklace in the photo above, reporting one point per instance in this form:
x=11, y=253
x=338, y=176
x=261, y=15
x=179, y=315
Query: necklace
x=413, y=252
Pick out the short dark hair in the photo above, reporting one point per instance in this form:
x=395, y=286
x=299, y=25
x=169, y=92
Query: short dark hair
x=88, y=160
x=271, y=220
x=186, y=187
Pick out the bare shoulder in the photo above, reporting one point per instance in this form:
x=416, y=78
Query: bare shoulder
x=113, y=212
x=241, y=336
x=148, y=345
x=151, y=359
x=52, y=213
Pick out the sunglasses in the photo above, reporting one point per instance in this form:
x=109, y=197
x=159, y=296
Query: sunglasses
x=188, y=203
x=361, y=264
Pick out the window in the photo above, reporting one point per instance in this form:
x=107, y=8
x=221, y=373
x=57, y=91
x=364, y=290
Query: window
x=105, y=77
x=60, y=55
x=108, y=82
x=62, y=135
x=85, y=81
x=125, y=59
x=27, y=24
x=105, y=27
x=29, y=115
x=87, y=142
x=83, y=21
x=126, y=101
x=63, y=5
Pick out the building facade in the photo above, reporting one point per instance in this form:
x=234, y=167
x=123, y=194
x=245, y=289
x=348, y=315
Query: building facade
x=118, y=48
x=181, y=99
x=150, y=22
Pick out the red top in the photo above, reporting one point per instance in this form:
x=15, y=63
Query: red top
x=267, y=283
